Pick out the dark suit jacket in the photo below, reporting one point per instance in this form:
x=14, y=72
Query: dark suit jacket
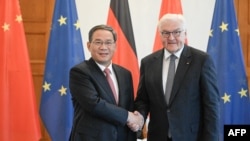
x=96, y=115
x=193, y=110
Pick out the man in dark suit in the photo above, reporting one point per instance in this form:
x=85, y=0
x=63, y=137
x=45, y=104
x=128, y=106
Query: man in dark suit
x=190, y=112
x=103, y=111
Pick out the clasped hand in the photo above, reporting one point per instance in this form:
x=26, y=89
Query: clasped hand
x=135, y=121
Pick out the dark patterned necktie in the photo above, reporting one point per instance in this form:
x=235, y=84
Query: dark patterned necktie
x=170, y=79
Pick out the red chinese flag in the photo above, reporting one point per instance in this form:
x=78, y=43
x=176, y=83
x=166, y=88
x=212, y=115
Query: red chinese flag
x=19, y=119
x=125, y=55
x=167, y=6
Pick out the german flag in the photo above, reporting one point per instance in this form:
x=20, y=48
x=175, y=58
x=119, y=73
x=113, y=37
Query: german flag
x=125, y=55
x=167, y=6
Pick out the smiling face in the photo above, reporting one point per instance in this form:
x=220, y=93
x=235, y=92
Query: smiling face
x=102, y=46
x=173, y=33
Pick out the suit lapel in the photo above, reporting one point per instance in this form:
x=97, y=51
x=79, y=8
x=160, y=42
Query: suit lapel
x=184, y=63
x=120, y=81
x=101, y=80
x=156, y=75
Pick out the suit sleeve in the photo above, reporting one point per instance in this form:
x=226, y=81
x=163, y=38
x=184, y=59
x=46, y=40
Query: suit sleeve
x=142, y=99
x=210, y=101
x=86, y=94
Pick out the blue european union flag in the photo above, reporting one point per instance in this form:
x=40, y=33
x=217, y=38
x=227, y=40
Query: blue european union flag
x=64, y=51
x=225, y=48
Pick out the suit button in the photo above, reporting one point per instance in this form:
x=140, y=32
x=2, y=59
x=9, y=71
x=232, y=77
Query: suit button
x=168, y=110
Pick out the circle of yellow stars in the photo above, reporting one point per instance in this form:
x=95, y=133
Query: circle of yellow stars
x=243, y=92
x=47, y=86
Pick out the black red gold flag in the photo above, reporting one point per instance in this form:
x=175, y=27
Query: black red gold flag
x=119, y=18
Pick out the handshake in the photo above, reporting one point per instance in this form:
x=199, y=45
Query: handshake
x=135, y=121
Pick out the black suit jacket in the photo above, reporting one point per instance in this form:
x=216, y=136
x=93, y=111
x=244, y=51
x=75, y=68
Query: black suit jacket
x=193, y=110
x=96, y=115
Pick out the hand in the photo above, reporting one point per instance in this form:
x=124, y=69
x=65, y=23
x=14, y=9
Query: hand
x=135, y=121
x=141, y=120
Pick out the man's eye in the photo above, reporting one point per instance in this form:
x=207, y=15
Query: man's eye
x=108, y=43
x=166, y=33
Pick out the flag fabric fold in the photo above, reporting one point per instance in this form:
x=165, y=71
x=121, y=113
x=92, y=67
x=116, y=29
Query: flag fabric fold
x=65, y=50
x=225, y=48
x=167, y=6
x=119, y=18
x=19, y=118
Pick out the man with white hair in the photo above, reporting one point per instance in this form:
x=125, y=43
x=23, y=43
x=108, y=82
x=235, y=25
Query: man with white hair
x=178, y=87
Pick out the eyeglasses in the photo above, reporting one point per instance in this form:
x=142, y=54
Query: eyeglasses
x=166, y=34
x=100, y=43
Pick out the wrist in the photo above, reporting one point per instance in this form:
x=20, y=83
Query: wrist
x=129, y=117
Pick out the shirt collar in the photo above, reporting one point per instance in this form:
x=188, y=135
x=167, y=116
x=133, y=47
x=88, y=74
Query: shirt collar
x=177, y=54
x=103, y=67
